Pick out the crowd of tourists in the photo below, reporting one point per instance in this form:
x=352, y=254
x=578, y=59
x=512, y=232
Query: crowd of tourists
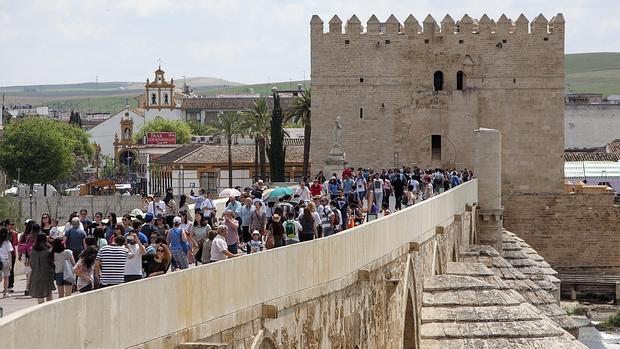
x=101, y=251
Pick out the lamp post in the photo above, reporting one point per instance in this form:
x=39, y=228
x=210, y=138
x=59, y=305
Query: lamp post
x=31, y=205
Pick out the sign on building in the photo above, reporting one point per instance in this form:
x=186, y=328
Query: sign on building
x=161, y=138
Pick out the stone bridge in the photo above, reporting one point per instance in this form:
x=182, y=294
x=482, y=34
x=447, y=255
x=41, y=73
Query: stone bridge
x=414, y=279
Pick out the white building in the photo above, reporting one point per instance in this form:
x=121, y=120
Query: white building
x=161, y=98
x=104, y=133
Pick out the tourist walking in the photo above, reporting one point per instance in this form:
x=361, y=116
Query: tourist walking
x=84, y=270
x=179, y=246
x=111, y=261
x=42, y=264
x=275, y=236
x=6, y=250
x=309, y=221
x=232, y=237
x=198, y=233
x=63, y=261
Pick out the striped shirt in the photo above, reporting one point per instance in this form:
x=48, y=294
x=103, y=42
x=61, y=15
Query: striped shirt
x=113, y=259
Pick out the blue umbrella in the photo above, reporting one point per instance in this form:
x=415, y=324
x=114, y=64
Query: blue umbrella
x=280, y=192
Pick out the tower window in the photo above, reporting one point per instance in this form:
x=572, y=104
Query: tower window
x=153, y=99
x=438, y=80
x=459, y=80
x=361, y=79
x=166, y=98
x=426, y=41
x=461, y=41
x=436, y=147
x=387, y=42
x=346, y=42
x=361, y=113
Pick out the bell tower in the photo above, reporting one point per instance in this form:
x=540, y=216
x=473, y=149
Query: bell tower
x=159, y=92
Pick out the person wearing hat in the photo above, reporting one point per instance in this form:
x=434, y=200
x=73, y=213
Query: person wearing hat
x=177, y=241
x=147, y=228
x=256, y=244
x=275, y=236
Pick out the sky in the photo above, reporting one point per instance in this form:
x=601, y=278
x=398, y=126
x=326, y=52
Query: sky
x=246, y=41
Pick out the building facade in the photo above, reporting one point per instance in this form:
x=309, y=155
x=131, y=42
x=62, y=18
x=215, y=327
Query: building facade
x=412, y=94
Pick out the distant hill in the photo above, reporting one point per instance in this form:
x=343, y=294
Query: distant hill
x=585, y=72
x=98, y=89
x=90, y=97
x=597, y=72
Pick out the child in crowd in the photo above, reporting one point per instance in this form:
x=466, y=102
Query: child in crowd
x=54, y=232
x=256, y=245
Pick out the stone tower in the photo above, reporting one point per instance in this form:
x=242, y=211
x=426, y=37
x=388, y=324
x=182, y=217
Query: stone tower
x=412, y=93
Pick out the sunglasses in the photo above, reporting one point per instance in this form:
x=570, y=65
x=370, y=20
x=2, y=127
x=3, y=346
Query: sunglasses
x=160, y=250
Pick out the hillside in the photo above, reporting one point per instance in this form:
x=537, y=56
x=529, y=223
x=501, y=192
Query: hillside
x=585, y=73
x=597, y=72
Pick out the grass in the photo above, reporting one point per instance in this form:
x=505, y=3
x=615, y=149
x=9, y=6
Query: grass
x=112, y=104
x=611, y=323
x=593, y=72
x=584, y=72
x=262, y=89
x=577, y=310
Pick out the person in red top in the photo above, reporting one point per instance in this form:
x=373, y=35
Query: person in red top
x=348, y=172
x=316, y=188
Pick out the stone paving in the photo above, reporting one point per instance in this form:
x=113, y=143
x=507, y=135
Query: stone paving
x=17, y=301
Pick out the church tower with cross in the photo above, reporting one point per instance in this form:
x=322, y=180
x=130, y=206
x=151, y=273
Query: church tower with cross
x=159, y=98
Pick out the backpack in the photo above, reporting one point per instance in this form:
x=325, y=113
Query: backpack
x=336, y=217
x=289, y=229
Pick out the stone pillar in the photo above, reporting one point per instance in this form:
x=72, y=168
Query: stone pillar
x=488, y=170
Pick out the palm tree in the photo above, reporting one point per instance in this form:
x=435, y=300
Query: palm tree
x=300, y=112
x=228, y=125
x=257, y=123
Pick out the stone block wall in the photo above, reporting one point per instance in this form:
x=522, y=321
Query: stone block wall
x=576, y=233
x=381, y=85
x=61, y=207
x=358, y=288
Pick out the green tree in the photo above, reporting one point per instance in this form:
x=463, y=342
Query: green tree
x=257, y=122
x=199, y=129
x=44, y=149
x=300, y=113
x=228, y=125
x=159, y=124
x=276, y=149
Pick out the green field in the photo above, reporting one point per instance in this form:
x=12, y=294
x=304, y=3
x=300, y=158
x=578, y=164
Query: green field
x=593, y=72
x=585, y=73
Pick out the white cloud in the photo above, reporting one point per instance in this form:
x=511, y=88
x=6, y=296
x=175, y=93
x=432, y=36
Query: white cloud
x=240, y=40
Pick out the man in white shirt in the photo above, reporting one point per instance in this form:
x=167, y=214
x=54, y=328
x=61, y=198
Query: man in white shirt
x=303, y=191
x=157, y=206
x=219, y=248
x=208, y=208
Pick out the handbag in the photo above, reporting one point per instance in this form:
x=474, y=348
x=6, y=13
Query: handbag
x=67, y=272
x=184, y=244
x=270, y=242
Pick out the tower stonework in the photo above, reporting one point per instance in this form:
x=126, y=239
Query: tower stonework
x=412, y=93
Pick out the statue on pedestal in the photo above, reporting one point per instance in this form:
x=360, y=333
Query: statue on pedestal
x=336, y=160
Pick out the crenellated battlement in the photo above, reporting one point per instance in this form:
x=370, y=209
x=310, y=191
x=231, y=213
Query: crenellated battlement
x=448, y=26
